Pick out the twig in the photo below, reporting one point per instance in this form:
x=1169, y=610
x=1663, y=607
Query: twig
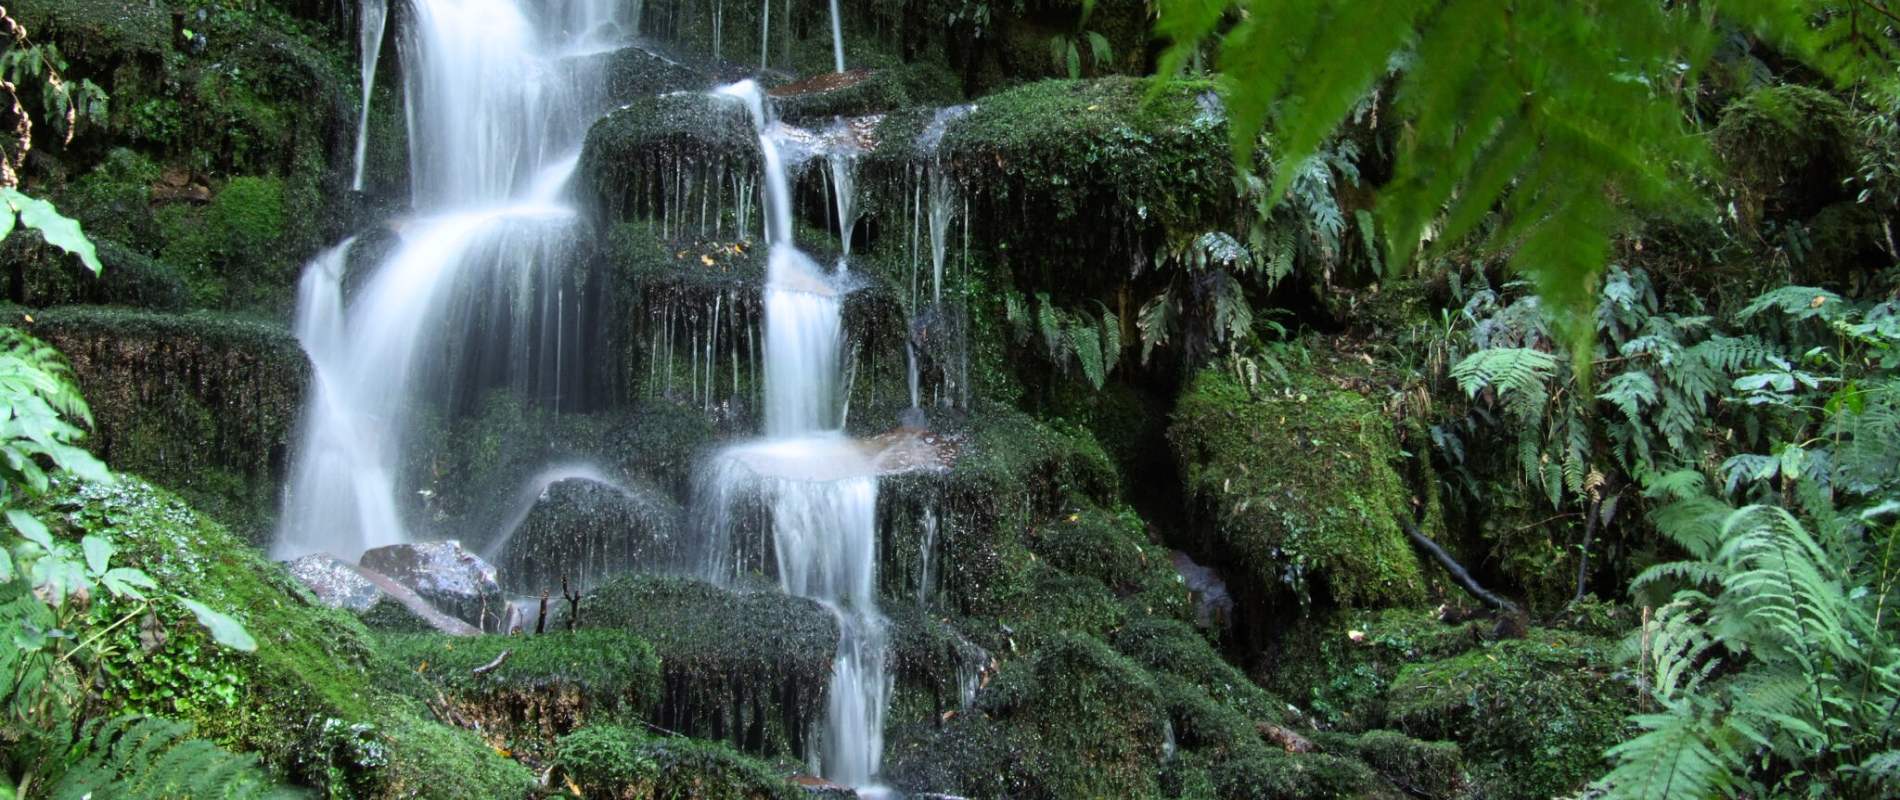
x=573, y=604
x=1458, y=573
x=492, y=665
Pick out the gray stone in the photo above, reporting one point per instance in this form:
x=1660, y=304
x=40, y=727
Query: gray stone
x=449, y=578
x=380, y=602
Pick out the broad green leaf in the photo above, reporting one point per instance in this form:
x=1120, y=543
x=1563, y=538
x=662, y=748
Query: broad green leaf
x=6, y=565
x=126, y=582
x=225, y=630
x=60, y=231
x=30, y=527
x=98, y=554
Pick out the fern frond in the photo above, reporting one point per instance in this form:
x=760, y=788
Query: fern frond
x=154, y=757
x=1675, y=756
x=1506, y=370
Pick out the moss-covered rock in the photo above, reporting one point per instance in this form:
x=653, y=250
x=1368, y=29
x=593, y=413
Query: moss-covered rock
x=627, y=764
x=1172, y=647
x=973, y=559
x=1787, y=149
x=865, y=91
x=42, y=275
x=1339, y=667
x=584, y=530
x=304, y=701
x=1422, y=769
x=1113, y=548
x=1534, y=715
x=750, y=668
x=547, y=685
x=636, y=157
x=1297, y=491
x=1074, y=720
x=203, y=405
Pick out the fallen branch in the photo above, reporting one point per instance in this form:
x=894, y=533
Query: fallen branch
x=1285, y=738
x=1459, y=574
x=492, y=665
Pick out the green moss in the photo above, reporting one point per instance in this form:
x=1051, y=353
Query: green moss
x=202, y=404
x=1787, y=149
x=304, y=700
x=613, y=762
x=1339, y=667
x=1073, y=720
x=547, y=685
x=48, y=276
x=232, y=252
x=747, y=667
x=892, y=88
x=1283, y=776
x=1171, y=646
x=1115, y=550
x=1533, y=715
x=1297, y=491
x=632, y=154
x=1422, y=769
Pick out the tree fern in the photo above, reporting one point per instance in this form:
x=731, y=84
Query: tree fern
x=150, y=757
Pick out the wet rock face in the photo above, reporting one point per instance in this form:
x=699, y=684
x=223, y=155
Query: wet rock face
x=380, y=602
x=584, y=531
x=452, y=579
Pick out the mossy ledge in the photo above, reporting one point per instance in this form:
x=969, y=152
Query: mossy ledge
x=202, y=404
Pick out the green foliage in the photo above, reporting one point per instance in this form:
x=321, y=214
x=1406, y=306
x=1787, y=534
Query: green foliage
x=155, y=757
x=1071, y=337
x=1770, y=670
x=1540, y=124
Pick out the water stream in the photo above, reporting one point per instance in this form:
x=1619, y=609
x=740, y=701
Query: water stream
x=496, y=110
x=373, y=15
x=819, y=486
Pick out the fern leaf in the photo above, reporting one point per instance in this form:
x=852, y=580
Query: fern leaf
x=1505, y=369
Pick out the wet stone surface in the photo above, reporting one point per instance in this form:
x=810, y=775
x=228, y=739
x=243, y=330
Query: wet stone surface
x=452, y=579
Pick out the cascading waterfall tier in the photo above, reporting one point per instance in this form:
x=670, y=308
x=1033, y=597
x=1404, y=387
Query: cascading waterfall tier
x=496, y=111
x=372, y=16
x=819, y=486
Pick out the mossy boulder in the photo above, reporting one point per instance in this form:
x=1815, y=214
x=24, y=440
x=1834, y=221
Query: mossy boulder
x=1533, y=715
x=41, y=275
x=1339, y=667
x=862, y=92
x=750, y=668
x=627, y=764
x=545, y=685
x=204, y=405
x=1092, y=172
x=304, y=701
x=1115, y=549
x=585, y=530
x=1787, y=149
x=634, y=156
x=1422, y=769
x=1297, y=491
x=1173, y=647
x=1074, y=720
x=1009, y=470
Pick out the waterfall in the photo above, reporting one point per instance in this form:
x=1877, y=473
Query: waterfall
x=818, y=486
x=496, y=112
x=374, y=13
x=837, y=37
x=843, y=162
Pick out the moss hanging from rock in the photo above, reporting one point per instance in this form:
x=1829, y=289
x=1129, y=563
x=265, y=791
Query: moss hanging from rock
x=202, y=404
x=747, y=667
x=1298, y=491
x=1787, y=149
